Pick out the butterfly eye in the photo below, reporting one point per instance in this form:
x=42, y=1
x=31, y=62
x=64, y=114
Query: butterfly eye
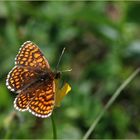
x=42, y=79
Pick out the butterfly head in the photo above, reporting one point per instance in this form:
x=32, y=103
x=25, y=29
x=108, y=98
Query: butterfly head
x=57, y=75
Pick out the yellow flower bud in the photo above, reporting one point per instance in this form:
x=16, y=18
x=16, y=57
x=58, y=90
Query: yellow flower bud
x=60, y=92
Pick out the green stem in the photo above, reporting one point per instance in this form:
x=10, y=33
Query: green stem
x=8, y=133
x=53, y=127
x=109, y=103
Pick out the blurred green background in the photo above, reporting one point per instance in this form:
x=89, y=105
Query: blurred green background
x=102, y=41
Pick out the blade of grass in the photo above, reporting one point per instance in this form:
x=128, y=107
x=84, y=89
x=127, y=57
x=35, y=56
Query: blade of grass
x=109, y=103
x=53, y=127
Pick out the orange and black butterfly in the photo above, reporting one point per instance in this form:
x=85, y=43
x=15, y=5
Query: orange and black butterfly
x=33, y=80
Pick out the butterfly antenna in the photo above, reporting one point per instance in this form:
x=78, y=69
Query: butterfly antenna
x=66, y=70
x=60, y=59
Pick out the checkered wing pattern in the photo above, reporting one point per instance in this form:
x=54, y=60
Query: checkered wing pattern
x=30, y=56
x=35, y=93
x=21, y=102
x=29, y=63
x=38, y=99
x=19, y=78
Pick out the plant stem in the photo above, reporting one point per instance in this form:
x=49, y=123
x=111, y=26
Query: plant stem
x=53, y=127
x=109, y=103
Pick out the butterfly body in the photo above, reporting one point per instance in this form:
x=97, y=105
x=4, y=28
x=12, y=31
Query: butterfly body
x=33, y=81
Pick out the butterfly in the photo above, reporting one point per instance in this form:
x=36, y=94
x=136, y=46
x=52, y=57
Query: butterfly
x=34, y=82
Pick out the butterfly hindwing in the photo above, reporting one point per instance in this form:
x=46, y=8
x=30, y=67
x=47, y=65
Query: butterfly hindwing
x=38, y=99
x=21, y=102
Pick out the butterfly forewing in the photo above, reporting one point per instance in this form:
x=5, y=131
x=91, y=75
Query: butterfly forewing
x=38, y=98
x=30, y=62
x=20, y=77
x=30, y=56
